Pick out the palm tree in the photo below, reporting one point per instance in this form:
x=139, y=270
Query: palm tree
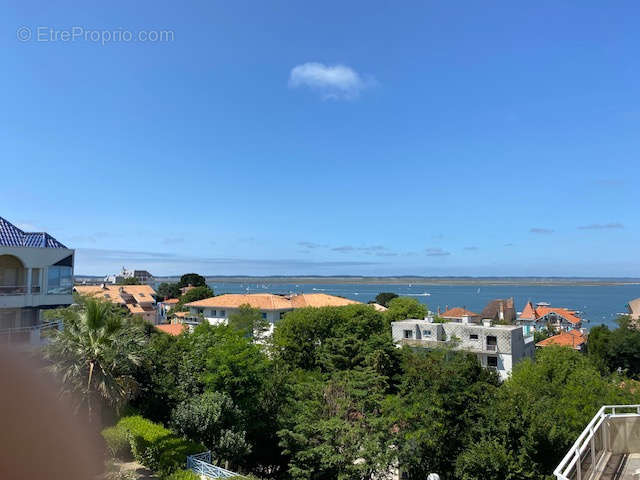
x=95, y=353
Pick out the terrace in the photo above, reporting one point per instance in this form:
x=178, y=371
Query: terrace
x=607, y=449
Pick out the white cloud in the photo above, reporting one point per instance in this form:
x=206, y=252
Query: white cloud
x=331, y=81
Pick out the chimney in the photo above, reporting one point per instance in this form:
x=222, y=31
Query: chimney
x=501, y=315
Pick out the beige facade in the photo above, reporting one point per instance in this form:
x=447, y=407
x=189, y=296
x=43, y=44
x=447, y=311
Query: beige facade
x=36, y=274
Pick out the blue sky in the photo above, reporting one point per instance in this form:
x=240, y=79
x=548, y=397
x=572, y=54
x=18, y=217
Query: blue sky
x=436, y=138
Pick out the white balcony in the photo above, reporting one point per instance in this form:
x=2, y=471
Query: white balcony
x=608, y=448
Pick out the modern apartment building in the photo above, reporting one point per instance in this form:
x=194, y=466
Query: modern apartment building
x=36, y=274
x=498, y=347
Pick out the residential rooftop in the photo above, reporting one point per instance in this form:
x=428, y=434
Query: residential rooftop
x=12, y=236
x=270, y=301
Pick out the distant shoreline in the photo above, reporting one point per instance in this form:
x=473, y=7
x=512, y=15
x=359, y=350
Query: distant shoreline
x=361, y=280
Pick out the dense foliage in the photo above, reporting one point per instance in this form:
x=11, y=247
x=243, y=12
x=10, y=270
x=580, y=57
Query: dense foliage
x=329, y=396
x=157, y=447
x=192, y=279
x=168, y=290
x=96, y=354
x=616, y=350
x=384, y=298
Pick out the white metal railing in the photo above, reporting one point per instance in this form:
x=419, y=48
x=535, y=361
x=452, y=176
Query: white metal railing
x=571, y=465
x=201, y=464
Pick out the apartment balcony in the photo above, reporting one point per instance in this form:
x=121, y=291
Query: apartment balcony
x=607, y=449
x=475, y=347
x=27, y=337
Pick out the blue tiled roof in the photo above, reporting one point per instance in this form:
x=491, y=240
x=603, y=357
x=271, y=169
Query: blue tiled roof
x=12, y=236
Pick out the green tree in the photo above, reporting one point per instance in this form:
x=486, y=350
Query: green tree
x=337, y=429
x=383, y=298
x=542, y=334
x=624, y=348
x=336, y=338
x=402, y=308
x=96, y=353
x=249, y=321
x=213, y=420
x=193, y=295
x=192, y=279
x=540, y=410
x=168, y=290
x=439, y=401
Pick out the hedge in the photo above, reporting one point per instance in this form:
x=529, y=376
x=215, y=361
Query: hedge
x=118, y=443
x=157, y=447
x=183, y=475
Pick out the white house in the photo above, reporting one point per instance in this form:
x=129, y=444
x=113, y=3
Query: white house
x=36, y=274
x=498, y=347
x=216, y=310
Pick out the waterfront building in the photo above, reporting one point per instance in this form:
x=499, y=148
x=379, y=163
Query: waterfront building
x=500, y=311
x=633, y=309
x=142, y=276
x=216, y=310
x=36, y=274
x=542, y=316
x=498, y=347
x=137, y=299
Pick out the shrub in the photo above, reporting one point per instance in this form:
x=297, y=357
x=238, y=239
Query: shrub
x=157, y=447
x=117, y=440
x=183, y=475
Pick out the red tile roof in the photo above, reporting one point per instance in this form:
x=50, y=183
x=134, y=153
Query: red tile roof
x=174, y=329
x=458, y=312
x=170, y=301
x=534, y=313
x=529, y=313
x=269, y=301
x=572, y=338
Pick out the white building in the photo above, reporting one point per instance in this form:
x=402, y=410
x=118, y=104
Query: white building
x=36, y=274
x=498, y=347
x=216, y=310
x=142, y=276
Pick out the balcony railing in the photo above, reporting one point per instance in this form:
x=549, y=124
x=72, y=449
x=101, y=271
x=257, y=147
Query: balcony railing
x=603, y=446
x=492, y=348
x=18, y=289
x=13, y=289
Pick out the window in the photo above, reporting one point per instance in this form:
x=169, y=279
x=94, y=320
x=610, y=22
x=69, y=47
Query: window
x=473, y=336
x=264, y=315
x=492, y=362
x=282, y=315
x=214, y=313
x=223, y=313
x=59, y=280
x=408, y=333
x=426, y=333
